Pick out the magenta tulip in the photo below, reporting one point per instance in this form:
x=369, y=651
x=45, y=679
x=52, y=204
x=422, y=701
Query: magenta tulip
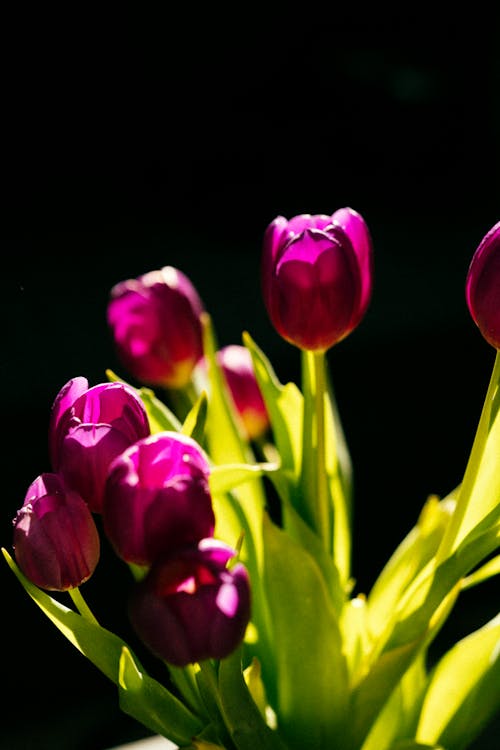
x=237, y=367
x=155, y=323
x=191, y=606
x=88, y=428
x=482, y=288
x=157, y=498
x=317, y=277
x=56, y=542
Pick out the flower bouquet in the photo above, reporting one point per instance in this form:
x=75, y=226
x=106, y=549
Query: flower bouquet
x=228, y=496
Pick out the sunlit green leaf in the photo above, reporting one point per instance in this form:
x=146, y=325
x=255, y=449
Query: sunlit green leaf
x=480, y=488
x=464, y=691
x=284, y=404
x=226, y=477
x=409, y=558
x=241, y=510
x=486, y=571
x=243, y=718
x=399, y=716
x=194, y=424
x=312, y=693
x=152, y=704
x=412, y=745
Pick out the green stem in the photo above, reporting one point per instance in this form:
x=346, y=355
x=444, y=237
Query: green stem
x=322, y=502
x=449, y=541
x=82, y=606
x=185, y=682
x=214, y=704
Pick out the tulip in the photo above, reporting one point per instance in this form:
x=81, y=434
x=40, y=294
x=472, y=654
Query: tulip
x=157, y=498
x=88, y=428
x=155, y=323
x=56, y=542
x=482, y=288
x=317, y=277
x=191, y=606
x=237, y=367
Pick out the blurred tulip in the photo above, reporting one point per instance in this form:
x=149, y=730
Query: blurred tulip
x=237, y=366
x=191, y=606
x=88, y=428
x=157, y=498
x=56, y=542
x=155, y=323
x=317, y=276
x=482, y=287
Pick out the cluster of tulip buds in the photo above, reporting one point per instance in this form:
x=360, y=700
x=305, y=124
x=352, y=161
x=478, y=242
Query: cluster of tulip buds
x=193, y=600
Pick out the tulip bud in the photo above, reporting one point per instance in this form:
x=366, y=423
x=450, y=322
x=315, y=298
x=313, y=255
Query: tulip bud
x=88, y=428
x=191, y=606
x=56, y=542
x=237, y=367
x=155, y=323
x=317, y=277
x=157, y=497
x=482, y=288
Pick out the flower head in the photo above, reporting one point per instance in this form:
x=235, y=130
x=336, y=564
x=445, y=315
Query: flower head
x=236, y=364
x=88, y=428
x=155, y=323
x=191, y=606
x=157, y=498
x=56, y=541
x=317, y=276
x=482, y=288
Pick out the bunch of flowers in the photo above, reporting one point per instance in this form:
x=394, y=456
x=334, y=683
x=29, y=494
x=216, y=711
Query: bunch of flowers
x=228, y=495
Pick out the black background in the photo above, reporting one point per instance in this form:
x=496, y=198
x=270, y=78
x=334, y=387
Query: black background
x=140, y=139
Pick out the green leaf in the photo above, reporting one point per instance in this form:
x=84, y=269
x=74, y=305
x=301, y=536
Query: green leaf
x=412, y=745
x=194, y=424
x=284, y=404
x=480, y=488
x=149, y=702
x=486, y=571
x=241, y=510
x=408, y=560
x=104, y=649
x=312, y=688
x=242, y=716
x=301, y=533
x=226, y=477
x=161, y=419
x=464, y=690
x=416, y=620
x=399, y=716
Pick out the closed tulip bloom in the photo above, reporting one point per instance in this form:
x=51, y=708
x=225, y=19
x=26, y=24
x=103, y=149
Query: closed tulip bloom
x=88, y=428
x=155, y=323
x=56, y=542
x=157, y=497
x=237, y=367
x=482, y=287
x=191, y=606
x=317, y=276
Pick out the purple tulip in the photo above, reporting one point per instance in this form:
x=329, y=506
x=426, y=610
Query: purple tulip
x=88, y=428
x=157, y=498
x=317, y=276
x=482, y=288
x=191, y=606
x=237, y=367
x=155, y=323
x=56, y=542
